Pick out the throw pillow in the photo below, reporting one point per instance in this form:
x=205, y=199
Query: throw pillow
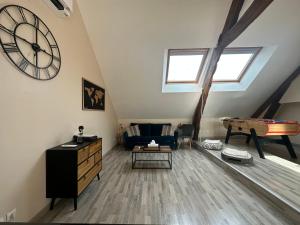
x=129, y=131
x=133, y=131
x=136, y=130
x=167, y=130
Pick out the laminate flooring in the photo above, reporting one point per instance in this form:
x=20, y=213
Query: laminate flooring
x=279, y=179
x=195, y=191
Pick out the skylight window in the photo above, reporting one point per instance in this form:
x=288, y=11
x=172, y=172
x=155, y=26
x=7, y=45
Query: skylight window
x=185, y=65
x=233, y=64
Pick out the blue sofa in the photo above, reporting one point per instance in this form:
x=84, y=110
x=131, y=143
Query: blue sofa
x=150, y=132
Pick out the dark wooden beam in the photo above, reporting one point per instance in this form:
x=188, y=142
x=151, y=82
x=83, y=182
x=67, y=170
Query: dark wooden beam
x=273, y=101
x=232, y=16
x=254, y=10
x=272, y=110
x=231, y=30
x=231, y=19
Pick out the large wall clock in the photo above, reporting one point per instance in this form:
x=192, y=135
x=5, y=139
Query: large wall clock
x=28, y=43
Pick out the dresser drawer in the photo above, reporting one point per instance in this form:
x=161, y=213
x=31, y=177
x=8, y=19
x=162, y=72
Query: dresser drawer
x=98, y=156
x=83, y=154
x=95, y=147
x=85, y=166
x=86, y=179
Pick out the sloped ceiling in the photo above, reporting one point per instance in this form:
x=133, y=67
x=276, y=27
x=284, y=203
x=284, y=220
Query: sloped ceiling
x=130, y=37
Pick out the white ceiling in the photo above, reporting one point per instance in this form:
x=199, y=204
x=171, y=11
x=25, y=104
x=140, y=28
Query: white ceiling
x=130, y=37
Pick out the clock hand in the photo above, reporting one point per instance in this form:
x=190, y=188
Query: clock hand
x=23, y=39
x=42, y=50
x=51, y=55
x=17, y=36
x=36, y=42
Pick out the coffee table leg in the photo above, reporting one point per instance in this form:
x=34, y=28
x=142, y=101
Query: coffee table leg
x=170, y=161
x=132, y=162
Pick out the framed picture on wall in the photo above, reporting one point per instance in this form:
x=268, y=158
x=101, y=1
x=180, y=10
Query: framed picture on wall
x=93, y=96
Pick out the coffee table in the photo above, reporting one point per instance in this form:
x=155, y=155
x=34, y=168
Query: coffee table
x=153, y=150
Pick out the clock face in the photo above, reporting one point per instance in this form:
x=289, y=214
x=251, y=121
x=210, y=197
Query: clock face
x=28, y=43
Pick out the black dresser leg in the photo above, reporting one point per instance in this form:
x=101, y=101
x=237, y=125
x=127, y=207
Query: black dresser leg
x=98, y=176
x=52, y=203
x=75, y=203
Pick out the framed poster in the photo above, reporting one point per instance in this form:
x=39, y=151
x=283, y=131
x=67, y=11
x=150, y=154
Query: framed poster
x=93, y=96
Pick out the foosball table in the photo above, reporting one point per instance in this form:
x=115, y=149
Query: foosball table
x=261, y=131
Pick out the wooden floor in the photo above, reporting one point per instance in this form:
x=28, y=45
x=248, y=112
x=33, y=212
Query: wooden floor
x=195, y=191
x=279, y=180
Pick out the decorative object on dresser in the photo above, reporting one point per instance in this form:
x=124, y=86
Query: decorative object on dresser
x=93, y=96
x=28, y=43
x=79, y=139
x=69, y=170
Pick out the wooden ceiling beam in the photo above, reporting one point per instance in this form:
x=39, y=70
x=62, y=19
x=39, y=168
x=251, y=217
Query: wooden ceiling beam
x=233, y=27
x=273, y=101
x=254, y=10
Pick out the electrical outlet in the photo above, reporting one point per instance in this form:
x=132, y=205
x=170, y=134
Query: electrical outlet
x=2, y=219
x=11, y=216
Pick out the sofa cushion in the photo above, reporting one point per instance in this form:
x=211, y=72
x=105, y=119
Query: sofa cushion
x=145, y=128
x=136, y=130
x=133, y=131
x=156, y=129
x=141, y=138
x=129, y=131
x=167, y=130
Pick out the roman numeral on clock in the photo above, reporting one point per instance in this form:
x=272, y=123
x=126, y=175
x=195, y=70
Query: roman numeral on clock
x=10, y=47
x=56, y=58
x=23, y=64
x=22, y=14
x=37, y=72
x=48, y=32
x=36, y=21
x=54, y=67
x=47, y=72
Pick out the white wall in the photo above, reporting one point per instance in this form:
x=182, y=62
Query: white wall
x=293, y=93
x=36, y=115
x=290, y=106
x=290, y=111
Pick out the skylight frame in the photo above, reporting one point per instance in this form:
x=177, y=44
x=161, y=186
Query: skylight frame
x=240, y=50
x=192, y=51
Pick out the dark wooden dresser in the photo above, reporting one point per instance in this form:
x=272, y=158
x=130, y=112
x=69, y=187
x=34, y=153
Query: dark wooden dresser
x=70, y=170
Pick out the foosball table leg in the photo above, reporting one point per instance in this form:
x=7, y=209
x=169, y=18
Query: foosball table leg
x=257, y=144
x=248, y=139
x=289, y=146
x=228, y=134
